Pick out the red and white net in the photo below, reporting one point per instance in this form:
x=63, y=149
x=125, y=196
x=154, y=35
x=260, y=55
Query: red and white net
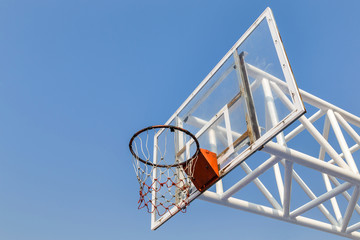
x=161, y=157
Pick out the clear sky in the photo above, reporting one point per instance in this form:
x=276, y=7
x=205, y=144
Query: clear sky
x=78, y=78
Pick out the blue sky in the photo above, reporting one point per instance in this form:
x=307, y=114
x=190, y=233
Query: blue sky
x=78, y=78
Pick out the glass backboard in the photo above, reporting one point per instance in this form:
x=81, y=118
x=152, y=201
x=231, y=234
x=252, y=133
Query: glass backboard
x=240, y=105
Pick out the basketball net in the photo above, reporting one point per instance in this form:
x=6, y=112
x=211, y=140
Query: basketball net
x=160, y=168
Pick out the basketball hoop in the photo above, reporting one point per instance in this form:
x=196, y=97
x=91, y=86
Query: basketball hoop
x=165, y=170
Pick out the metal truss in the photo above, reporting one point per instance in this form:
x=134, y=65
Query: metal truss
x=295, y=194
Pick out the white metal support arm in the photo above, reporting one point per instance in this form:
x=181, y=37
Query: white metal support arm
x=337, y=135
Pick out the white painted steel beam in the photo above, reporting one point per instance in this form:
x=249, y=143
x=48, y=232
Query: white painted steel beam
x=345, y=193
x=250, y=177
x=326, y=196
x=312, y=196
x=301, y=127
x=273, y=119
x=350, y=208
x=261, y=187
x=342, y=142
x=326, y=179
x=311, y=162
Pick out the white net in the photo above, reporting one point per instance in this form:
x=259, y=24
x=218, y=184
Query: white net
x=163, y=160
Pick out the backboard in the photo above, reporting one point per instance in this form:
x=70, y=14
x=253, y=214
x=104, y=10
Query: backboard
x=236, y=109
